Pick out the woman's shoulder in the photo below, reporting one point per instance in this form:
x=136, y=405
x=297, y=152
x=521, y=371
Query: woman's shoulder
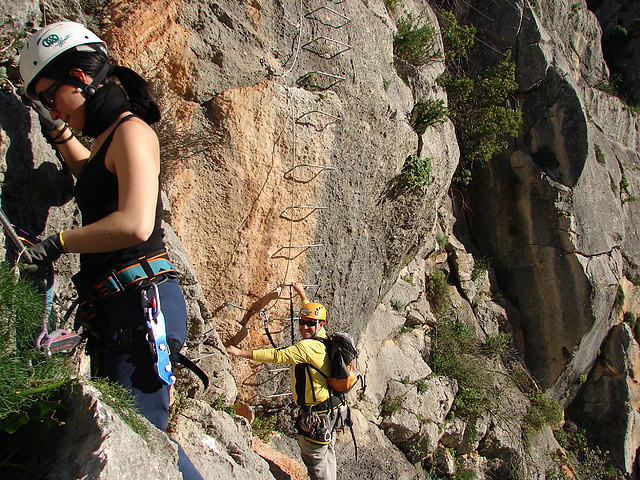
x=132, y=128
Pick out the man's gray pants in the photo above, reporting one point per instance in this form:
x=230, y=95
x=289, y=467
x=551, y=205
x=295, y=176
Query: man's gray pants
x=319, y=459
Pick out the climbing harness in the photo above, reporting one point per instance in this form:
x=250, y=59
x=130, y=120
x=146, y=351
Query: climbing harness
x=117, y=281
x=157, y=332
x=341, y=350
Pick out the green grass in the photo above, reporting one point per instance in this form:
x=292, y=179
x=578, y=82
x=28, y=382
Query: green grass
x=121, y=400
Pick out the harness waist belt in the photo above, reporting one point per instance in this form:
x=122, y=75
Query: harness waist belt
x=329, y=404
x=145, y=269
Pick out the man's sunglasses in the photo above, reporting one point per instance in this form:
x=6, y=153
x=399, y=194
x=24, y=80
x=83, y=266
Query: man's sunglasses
x=46, y=96
x=308, y=323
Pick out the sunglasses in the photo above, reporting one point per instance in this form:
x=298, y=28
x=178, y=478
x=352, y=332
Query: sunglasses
x=46, y=96
x=308, y=323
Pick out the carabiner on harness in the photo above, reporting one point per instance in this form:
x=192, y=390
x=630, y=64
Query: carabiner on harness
x=157, y=332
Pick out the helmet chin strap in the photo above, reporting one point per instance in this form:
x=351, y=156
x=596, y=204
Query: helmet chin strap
x=92, y=88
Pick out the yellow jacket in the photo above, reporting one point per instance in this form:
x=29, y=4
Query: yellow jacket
x=305, y=351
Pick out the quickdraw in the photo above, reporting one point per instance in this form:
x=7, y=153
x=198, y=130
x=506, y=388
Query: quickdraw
x=265, y=322
x=59, y=340
x=157, y=332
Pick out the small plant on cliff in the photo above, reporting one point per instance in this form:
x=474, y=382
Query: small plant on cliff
x=437, y=292
x=416, y=172
x=264, y=425
x=454, y=355
x=426, y=114
x=496, y=345
x=457, y=39
x=601, y=159
x=618, y=303
x=481, y=265
x=543, y=411
x=575, y=9
x=415, y=41
x=12, y=38
x=121, y=400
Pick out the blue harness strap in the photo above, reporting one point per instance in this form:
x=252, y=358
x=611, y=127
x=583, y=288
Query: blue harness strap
x=145, y=269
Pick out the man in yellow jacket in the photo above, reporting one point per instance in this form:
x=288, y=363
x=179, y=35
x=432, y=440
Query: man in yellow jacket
x=315, y=423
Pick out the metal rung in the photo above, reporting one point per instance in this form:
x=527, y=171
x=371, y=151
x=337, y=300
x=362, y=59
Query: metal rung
x=293, y=247
x=278, y=370
x=302, y=207
x=329, y=15
x=317, y=81
x=288, y=175
x=277, y=395
x=323, y=121
x=326, y=47
x=311, y=207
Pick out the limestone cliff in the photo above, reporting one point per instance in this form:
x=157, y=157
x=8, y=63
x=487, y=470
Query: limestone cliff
x=286, y=127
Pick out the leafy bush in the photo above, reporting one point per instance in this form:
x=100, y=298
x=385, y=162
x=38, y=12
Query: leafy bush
x=416, y=172
x=454, y=355
x=426, y=114
x=457, y=39
x=415, y=43
x=437, y=292
x=30, y=382
x=543, y=411
x=478, y=110
x=588, y=462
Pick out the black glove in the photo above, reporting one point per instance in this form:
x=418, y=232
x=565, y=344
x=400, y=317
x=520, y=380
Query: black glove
x=46, y=122
x=39, y=274
x=47, y=251
x=44, y=116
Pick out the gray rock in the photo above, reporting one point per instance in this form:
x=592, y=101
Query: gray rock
x=97, y=443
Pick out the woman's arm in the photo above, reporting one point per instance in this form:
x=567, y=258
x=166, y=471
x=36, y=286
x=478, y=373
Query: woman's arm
x=74, y=153
x=134, y=156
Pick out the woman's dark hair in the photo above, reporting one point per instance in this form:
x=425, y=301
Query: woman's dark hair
x=92, y=64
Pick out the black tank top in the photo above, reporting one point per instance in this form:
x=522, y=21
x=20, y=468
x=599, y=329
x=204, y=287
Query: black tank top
x=96, y=193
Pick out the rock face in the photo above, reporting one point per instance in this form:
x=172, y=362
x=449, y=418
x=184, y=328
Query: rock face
x=285, y=129
x=96, y=443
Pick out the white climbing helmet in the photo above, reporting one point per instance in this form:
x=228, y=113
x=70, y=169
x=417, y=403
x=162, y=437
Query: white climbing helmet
x=51, y=41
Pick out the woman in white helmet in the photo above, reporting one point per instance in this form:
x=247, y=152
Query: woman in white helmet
x=66, y=70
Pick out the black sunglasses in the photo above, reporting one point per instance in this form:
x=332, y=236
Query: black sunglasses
x=308, y=323
x=46, y=96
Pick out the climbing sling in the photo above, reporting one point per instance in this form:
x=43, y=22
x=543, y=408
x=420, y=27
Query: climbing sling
x=59, y=340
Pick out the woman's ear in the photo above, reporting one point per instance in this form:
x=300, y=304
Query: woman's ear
x=78, y=75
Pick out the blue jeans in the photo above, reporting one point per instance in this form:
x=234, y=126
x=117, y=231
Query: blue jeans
x=125, y=357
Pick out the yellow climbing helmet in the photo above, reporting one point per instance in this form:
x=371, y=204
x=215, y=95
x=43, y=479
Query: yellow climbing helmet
x=315, y=311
